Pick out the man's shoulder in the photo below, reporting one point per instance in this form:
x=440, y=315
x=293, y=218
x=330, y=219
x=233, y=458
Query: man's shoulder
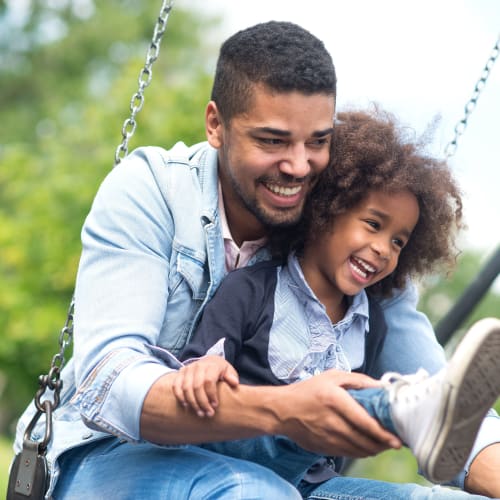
x=180, y=154
x=180, y=174
x=156, y=160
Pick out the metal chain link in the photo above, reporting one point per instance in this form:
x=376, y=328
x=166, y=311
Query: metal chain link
x=471, y=104
x=145, y=76
x=52, y=380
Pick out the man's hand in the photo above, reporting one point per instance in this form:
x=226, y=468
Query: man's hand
x=319, y=415
x=484, y=473
x=195, y=385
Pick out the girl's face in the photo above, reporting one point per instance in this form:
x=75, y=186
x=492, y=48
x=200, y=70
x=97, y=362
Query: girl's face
x=363, y=246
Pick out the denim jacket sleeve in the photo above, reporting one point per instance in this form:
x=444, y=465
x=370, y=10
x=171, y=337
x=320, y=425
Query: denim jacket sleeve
x=411, y=344
x=124, y=282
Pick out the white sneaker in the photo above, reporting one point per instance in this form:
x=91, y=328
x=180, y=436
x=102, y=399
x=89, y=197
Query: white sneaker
x=438, y=417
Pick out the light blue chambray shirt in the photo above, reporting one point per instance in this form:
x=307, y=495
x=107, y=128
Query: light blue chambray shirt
x=328, y=345
x=301, y=341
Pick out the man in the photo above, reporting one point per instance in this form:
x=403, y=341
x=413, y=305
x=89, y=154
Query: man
x=164, y=229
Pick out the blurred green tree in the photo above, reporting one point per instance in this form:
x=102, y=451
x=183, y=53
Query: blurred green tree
x=440, y=293
x=67, y=71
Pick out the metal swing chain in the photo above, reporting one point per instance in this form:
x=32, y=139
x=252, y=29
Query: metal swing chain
x=471, y=104
x=52, y=380
x=145, y=76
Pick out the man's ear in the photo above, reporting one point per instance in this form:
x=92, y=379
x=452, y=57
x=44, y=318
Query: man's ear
x=213, y=125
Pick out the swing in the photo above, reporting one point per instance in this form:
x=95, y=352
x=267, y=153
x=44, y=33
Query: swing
x=29, y=475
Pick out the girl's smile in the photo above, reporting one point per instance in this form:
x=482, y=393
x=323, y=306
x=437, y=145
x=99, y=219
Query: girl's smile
x=363, y=246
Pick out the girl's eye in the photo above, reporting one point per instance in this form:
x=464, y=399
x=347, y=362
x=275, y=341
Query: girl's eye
x=399, y=242
x=373, y=223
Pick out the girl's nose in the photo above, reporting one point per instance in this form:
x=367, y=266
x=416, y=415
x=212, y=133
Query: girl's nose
x=382, y=248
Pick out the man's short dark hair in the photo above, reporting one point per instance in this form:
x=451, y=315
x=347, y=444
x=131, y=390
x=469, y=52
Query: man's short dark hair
x=281, y=56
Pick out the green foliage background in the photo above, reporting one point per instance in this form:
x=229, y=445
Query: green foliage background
x=67, y=74
x=63, y=104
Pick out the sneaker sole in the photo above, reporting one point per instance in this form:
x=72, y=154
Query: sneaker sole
x=473, y=378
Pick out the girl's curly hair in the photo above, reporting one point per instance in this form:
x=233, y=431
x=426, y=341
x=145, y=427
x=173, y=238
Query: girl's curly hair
x=371, y=152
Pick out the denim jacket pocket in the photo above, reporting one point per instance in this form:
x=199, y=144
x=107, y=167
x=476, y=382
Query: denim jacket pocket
x=193, y=271
x=188, y=288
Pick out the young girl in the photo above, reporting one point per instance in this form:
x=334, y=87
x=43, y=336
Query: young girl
x=383, y=212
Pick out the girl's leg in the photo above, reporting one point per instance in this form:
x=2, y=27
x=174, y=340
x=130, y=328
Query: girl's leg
x=376, y=403
x=349, y=488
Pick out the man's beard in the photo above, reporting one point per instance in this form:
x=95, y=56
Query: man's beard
x=275, y=219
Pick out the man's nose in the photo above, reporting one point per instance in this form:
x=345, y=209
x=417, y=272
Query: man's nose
x=296, y=162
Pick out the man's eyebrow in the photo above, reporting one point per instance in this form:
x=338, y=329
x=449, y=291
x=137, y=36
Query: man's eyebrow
x=272, y=131
x=322, y=133
x=286, y=133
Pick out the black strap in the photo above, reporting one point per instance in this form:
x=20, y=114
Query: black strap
x=29, y=477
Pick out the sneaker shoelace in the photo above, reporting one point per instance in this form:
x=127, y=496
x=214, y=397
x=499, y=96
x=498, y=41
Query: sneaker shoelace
x=395, y=383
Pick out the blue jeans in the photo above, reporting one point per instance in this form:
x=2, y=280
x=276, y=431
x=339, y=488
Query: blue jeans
x=351, y=488
x=267, y=467
x=115, y=470
x=110, y=470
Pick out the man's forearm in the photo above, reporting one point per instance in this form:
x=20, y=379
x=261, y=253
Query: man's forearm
x=243, y=412
x=318, y=414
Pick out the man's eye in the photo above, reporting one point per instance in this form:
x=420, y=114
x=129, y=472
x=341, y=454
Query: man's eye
x=319, y=142
x=270, y=141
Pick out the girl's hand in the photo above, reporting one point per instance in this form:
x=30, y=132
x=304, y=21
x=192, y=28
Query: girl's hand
x=195, y=385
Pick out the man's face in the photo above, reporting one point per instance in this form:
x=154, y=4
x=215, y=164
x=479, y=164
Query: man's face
x=269, y=157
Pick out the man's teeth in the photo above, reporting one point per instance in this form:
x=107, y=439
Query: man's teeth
x=362, y=268
x=282, y=190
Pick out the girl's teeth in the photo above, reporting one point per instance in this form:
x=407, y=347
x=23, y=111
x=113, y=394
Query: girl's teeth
x=358, y=270
x=364, y=265
x=361, y=268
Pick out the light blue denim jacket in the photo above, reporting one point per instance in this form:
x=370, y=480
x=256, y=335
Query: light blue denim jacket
x=153, y=255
